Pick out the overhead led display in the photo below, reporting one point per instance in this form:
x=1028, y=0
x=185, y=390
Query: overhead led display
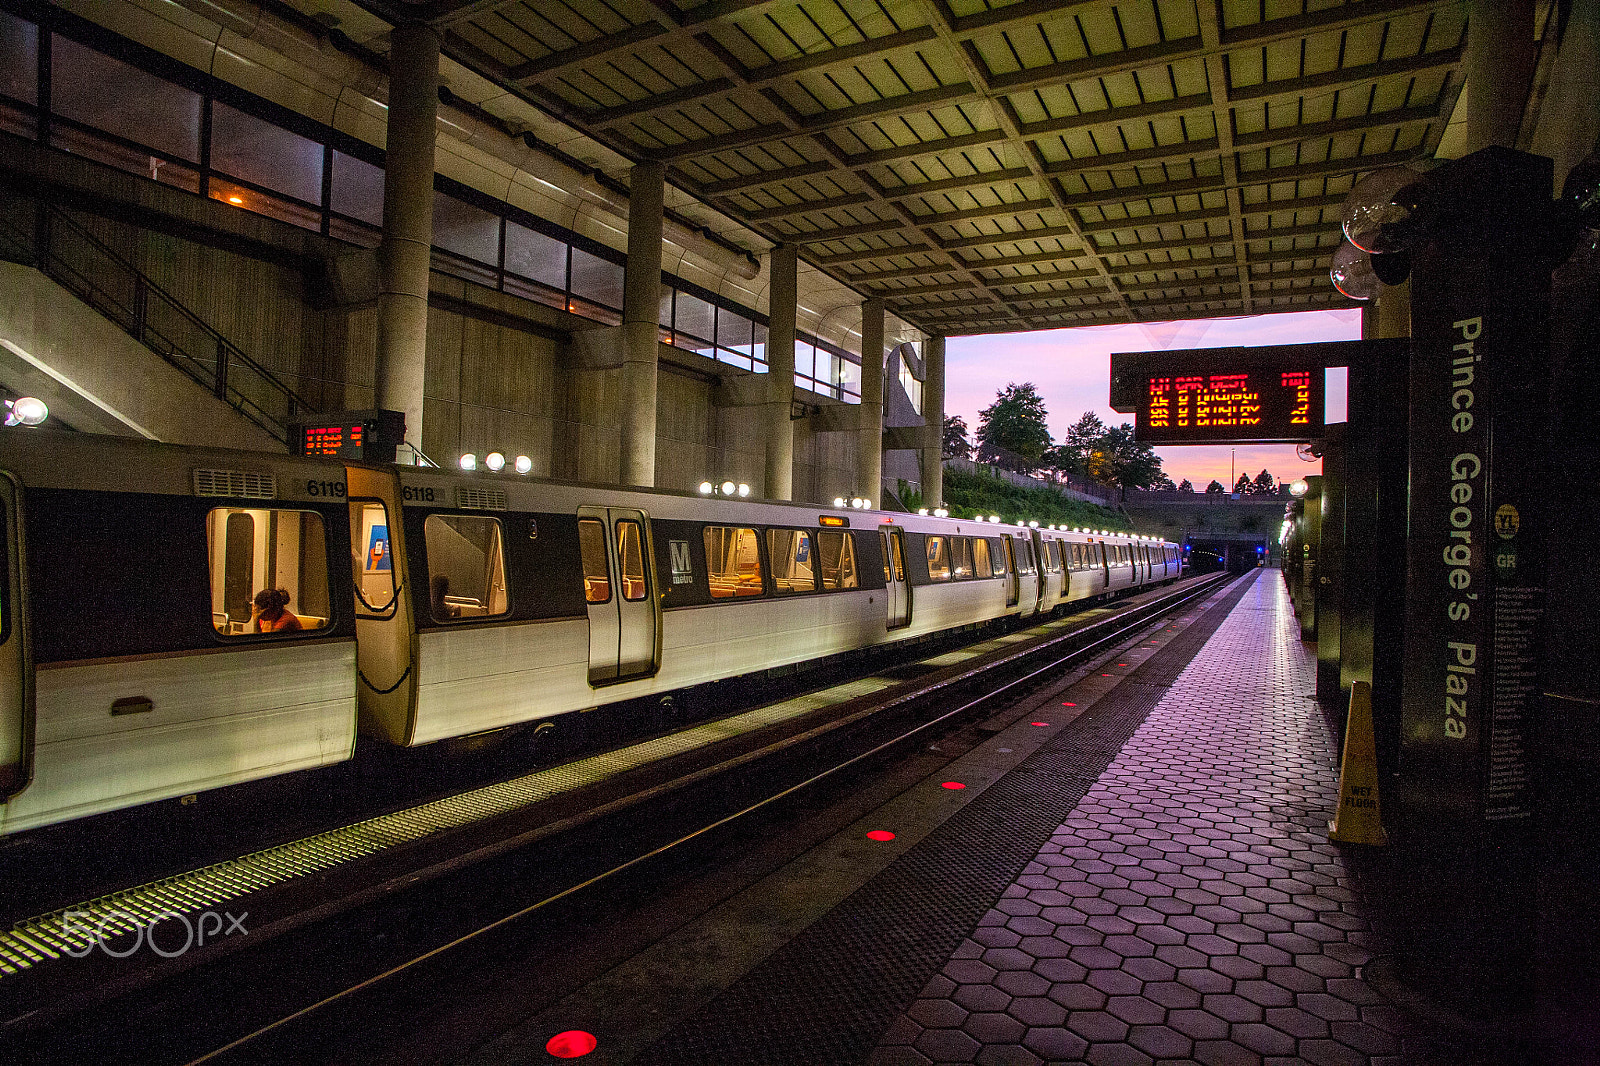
x=1225, y=404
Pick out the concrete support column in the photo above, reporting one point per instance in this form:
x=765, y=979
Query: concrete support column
x=933, y=415
x=869, y=444
x=641, y=307
x=1499, y=66
x=783, y=293
x=403, y=254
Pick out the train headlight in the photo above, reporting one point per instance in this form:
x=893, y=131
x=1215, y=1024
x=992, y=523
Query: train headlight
x=1033, y=525
x=922, y=510
x=707, y=488
x=995, y=519
x=523, y=464
x=495, y=461
x=744, y=490
x=940, y=512
x=838, y=501
x=728, y=488
x=469, y=461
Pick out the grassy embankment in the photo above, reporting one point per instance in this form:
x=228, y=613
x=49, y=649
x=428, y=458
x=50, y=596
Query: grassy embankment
x=969, y=495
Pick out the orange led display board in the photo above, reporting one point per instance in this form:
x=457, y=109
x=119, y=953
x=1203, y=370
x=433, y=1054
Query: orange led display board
x=1230, y=404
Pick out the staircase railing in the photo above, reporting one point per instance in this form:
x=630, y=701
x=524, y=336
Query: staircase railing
x=84, y=265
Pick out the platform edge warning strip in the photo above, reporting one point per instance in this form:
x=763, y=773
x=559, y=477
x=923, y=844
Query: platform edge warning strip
x=827, y=995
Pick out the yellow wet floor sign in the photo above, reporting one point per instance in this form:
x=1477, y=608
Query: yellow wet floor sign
x=1358, y=820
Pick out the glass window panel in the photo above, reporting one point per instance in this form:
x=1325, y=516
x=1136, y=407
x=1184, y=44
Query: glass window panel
x=243, y=146
x=899, y=557
x=849, y=375
x=372, y=561
x=596, y=279
x=466, y=567
x=836, y=555
x=793, y=568
x=883, y=539
x=536, y=256
x=19, y=59
x=758, y=343
x=997, y=556
x=278, y=207
x=961, y=556
x=733, y=562
x=664, y=318
x=630, y=560
x=110, y=95
x=268, y=569
x=694, y=316
x=592, y=554
x=980, y=558
x=468, y=231
x=733, y=330
x=938, y=559
x=357, y=189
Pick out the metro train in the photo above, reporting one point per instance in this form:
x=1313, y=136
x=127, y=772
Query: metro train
x=424, y=604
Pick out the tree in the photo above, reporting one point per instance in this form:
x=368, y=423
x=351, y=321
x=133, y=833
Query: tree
x=1120, y=460
x=1014, y=424
x=1215, y=487
x=1163, y=482
x=1263, y=485
x=1185, y=485
x=957, y=445
x=1242, y=486
x=1071, y=456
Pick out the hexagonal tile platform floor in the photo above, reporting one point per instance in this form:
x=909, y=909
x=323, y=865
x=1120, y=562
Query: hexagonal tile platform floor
x=1191, y=909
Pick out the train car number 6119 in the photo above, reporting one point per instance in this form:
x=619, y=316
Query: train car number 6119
x=325, y=488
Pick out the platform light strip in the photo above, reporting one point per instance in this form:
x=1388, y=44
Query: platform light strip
x=24, y=944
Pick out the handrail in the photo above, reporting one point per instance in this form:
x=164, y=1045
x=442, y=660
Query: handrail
x=152, y=316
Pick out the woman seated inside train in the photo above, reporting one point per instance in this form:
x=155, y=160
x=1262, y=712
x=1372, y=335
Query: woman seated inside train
x=273, y=614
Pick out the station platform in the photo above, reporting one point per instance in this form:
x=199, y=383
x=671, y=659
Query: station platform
x=1133, y=869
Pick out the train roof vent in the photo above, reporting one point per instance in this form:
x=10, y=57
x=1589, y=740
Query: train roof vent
x=235, y=483
x=479, y=499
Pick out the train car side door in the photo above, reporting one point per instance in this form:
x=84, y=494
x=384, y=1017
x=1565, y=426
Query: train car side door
x=896, y=587
x=386, y=638
x=1013, y=578
x=16, y=660
x=619, y=588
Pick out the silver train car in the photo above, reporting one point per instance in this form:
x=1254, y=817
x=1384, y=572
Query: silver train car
x=138, y=662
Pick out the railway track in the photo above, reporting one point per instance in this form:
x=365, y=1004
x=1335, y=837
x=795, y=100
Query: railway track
x=480, y=864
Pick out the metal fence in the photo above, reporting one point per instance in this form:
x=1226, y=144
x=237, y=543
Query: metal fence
x=79, y=262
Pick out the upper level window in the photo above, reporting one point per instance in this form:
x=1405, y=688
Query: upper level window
x=268, y=569
x=793, y=561
x=468, y=231
x=246, y=147
x=733, y=562
x=19, y=59
x=120, y=99
x=357, y=189
x=466, y=567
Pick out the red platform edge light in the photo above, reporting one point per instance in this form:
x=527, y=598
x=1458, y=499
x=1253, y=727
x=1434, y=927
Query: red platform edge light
x=880, y=834
x=953, y=785
x=1069, y=705
x=1038, y=723
x=571, y=1044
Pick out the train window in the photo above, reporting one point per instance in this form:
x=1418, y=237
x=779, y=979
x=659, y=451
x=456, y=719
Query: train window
x=961, y=556
x=592, y=553
x=1052, y=556
x=883, y=541
x=791, y=555
x=733, y=561
x=938, y=559
x=836, y=554
x=630, y=560
x=980, y=558
x=371, y=556
x=898, y=548
x=1024, y=557
x=997, y=556
x=269, y=570
x=466, y=567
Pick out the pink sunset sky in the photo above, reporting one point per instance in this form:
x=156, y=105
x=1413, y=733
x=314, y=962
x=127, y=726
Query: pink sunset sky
x=1071, y=368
